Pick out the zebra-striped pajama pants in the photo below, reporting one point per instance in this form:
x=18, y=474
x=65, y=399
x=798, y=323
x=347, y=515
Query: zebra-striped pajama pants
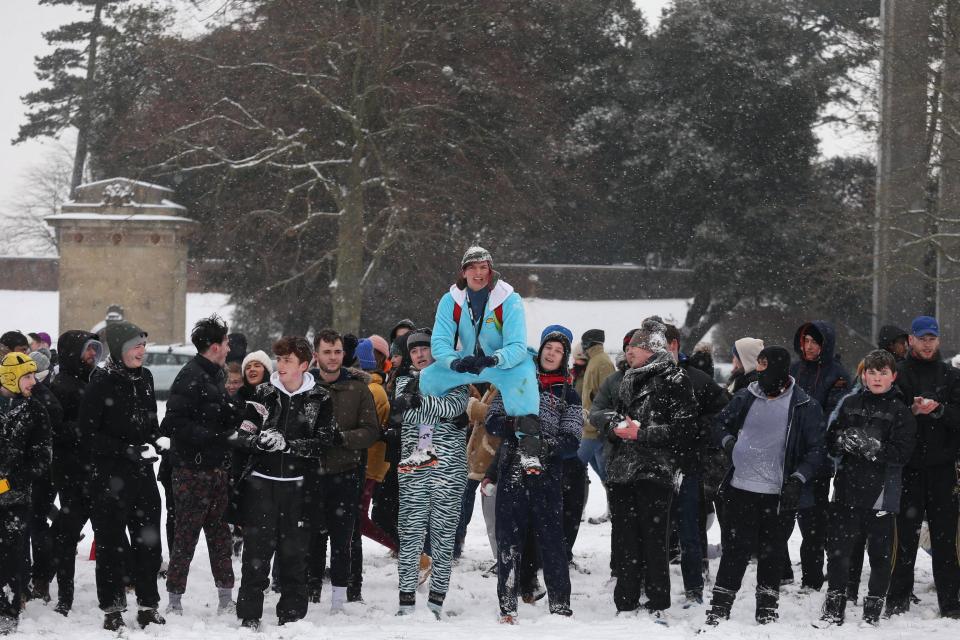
x=430, y=501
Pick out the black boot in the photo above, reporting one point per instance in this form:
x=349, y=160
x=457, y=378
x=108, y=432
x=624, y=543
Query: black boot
x=833, y=607
x=872, y=606
x=720, y=605
x=895, y=607
x=113, y=621
x=767, y=603
x=149, y=616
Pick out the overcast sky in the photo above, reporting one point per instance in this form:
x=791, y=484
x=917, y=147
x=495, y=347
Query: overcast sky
x=21, y=40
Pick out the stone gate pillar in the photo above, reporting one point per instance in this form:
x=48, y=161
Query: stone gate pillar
x=123, y=242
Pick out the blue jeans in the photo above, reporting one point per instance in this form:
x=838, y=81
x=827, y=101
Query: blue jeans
x=591, y=452
x=688, y=529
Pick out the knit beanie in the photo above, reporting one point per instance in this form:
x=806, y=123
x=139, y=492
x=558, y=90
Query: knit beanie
x=475, y=254
x=258, y=356
x=122, y=336
x=628, y=337
x=350, y=343
x=365, y=355
x=13, y=367
x=747, y=349
x=592, y=337
x=418, y=338
x=650, y=336
x=380, y=345
x=43, y=364
x=560, y=331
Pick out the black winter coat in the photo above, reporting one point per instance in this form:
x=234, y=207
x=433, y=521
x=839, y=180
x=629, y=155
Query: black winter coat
x=69, y=385
x=859, y=481
x=25, y=449
x=711, y=399
x=659, y=396
x=938, y=434
x=805, y=452
x=300, y=418
x=825, y=380
x=200, y=416
x=118, y=415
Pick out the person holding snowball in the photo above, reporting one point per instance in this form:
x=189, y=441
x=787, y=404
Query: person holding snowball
x=119, y=431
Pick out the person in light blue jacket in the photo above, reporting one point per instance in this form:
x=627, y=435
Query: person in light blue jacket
x=480, y=335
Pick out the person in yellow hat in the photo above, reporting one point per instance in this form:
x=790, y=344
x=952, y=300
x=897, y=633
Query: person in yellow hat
x=25, y=452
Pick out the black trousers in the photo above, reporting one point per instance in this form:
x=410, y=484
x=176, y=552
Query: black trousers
x=640, y=514
x=75, y=508
x=813, y=529
x=847, y=525
x=334, y=517
x=752, y=524
x=126, y=526
x=41, y=542
x=574, y=489
x=14, y=523
x=928, y=493
x=386, y=498
x=857, y=549
x=273, y=521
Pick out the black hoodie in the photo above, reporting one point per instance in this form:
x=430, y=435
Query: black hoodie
x=68, y=387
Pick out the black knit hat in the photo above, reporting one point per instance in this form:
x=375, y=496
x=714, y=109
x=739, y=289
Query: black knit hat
x=350, y=343
x=591, y=337
x=121, y=336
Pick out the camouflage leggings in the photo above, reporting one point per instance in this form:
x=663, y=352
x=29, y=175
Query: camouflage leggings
x=200, y=500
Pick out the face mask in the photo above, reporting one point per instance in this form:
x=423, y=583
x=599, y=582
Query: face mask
x=771, y=382
x=777, y=374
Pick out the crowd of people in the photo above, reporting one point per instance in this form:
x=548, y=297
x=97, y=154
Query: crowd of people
x=278, y=457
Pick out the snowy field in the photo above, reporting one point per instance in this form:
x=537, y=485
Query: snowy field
x=30, y=311
x=472, y=604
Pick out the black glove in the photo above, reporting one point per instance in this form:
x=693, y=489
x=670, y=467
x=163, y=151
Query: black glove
x=405, y=402
x=467, y=364
x=270, y=441
x=858, y=443
x=330, y=435
x=611, y=419
x=391, y=436
x=484, y=362
x=535, y=446
x=790, y=494
x=147, y=454
x=870, y=447
x=728, y=445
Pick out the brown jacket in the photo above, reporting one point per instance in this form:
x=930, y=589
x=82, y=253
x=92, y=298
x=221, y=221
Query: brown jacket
x=482, y=446
x=356, y=414
x=599, y=368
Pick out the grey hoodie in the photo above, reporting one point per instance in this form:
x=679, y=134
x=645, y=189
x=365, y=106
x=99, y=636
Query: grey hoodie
x=761, y=445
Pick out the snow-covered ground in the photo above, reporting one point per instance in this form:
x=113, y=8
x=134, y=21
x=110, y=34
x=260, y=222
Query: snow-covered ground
x=472, y=604
x=39, y=311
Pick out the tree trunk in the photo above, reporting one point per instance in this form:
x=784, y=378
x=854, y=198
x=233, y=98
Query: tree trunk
x=704, y=313
x=83, y=117
x=347, y=294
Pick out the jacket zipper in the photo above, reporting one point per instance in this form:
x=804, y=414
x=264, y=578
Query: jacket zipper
x=786, y=448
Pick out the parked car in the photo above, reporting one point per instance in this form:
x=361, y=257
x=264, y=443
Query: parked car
x=165, y=362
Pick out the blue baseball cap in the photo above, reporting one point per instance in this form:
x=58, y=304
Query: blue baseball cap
x=924, y=326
